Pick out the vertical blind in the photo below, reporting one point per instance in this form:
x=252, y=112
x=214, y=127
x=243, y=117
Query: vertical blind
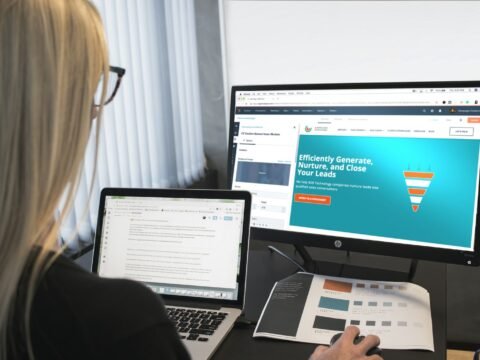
x=151, y=134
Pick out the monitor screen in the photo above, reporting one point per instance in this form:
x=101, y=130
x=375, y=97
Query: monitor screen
x=383, y=168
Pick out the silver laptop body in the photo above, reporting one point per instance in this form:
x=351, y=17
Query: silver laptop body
x=190, y=246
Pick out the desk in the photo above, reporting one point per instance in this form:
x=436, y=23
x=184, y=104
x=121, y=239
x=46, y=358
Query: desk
x=265, y=268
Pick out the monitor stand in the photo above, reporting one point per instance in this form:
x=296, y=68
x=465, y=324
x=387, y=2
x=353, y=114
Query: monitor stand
x=347, y=268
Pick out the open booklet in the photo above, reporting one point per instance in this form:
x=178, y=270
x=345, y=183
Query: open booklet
x=312, y=308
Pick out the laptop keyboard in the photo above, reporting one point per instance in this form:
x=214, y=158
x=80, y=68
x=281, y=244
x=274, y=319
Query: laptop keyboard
x=195, y=325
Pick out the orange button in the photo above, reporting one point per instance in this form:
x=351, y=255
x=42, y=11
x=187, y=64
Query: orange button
x=313, y=199
x=474, y=120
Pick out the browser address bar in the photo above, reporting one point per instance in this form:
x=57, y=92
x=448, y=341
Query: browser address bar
x=344, y=103
x=345, y=99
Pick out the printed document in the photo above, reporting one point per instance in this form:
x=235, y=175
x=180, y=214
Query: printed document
x=312, y=308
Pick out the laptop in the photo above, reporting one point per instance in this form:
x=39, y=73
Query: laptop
x=189, y=246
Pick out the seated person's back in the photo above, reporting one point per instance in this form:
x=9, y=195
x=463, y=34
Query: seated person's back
x=77, y=315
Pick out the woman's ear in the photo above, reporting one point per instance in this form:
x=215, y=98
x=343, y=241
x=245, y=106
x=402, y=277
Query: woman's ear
x=93, y=112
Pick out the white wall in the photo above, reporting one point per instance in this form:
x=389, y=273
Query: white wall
x=292, y=41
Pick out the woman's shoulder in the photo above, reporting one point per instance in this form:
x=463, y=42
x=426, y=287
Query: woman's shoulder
x=65, y=275
x=97, y=297
x=94, y=308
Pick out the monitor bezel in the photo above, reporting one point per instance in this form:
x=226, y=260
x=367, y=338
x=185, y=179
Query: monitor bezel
x=194, y=194
x=470, y=258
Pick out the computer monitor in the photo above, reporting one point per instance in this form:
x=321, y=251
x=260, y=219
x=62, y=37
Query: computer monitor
x=383, y=168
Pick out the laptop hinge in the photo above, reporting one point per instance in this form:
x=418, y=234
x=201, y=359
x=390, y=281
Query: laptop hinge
x=192, y=304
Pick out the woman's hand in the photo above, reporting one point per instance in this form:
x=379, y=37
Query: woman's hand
x=345, y=349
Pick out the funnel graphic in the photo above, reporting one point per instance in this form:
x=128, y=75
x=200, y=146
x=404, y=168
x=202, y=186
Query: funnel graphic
x=417, y=185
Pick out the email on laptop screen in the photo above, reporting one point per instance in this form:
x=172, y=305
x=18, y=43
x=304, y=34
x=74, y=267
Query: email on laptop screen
x=176, y=246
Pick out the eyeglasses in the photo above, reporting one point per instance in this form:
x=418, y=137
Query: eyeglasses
x=114, y=81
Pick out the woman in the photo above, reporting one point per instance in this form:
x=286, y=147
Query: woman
x=52, y=56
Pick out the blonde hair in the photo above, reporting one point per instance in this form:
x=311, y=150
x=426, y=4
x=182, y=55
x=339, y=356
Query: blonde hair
x=52, y=55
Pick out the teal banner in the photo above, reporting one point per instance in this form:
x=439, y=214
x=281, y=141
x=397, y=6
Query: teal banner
x=405, y=188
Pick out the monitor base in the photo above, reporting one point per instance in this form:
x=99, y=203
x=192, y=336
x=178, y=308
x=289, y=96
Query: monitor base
x=347, y=269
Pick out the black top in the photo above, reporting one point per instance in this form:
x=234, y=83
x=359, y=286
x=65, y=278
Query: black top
x=78, y=315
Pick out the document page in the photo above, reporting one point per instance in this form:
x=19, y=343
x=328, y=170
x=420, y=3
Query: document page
x=194, y=243
x=312, y=308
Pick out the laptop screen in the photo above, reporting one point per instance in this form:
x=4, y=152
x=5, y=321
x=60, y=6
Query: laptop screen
x=176, y=246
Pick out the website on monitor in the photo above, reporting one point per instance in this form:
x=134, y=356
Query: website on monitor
x=392, y=165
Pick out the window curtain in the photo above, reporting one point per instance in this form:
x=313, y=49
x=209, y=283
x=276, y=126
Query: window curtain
x=151, y=135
